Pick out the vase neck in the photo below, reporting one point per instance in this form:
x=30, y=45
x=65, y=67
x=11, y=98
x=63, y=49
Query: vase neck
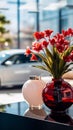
x=57, y=79
x=57, y=90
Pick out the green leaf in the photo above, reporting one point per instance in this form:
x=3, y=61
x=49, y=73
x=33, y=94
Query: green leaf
x=48, y=53
x=62, y=65
x=56, y=61
x=40, y=55
x=48, y=66
x=66, y=71
x=44, y=59
x=40, y=67
x=68, y=65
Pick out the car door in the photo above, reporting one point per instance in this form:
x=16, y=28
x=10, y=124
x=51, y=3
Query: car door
x=18, y=68
x=14, y=69
x=22, y=69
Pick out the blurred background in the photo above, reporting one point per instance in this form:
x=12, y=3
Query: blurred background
x=23, y=17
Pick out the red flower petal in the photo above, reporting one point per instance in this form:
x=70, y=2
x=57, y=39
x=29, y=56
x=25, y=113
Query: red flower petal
x=33, y=57
x=48, y=32
x=28, y=51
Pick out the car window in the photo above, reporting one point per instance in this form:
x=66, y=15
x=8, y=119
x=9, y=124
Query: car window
x=3, y=56
x=32, y=61
x=19, y=59
x=15, y=59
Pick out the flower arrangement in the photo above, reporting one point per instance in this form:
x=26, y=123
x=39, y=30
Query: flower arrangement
x=56, y=51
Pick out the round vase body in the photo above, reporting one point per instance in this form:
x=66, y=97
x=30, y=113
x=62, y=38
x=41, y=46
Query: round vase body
x=58, y=95
x=32, y=92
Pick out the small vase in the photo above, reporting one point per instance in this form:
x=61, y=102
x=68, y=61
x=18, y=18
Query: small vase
x=58, y=96
x=32, y=92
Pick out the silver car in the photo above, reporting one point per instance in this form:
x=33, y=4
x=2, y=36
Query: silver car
x=16, y=67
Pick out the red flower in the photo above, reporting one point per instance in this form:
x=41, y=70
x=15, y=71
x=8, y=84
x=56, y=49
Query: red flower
x=45, y=43
x=67, y=58
x=66, y=42
x=48, y=32
x=33, y=57
x=37, y=46
x=65, y=33
x=53, y=41
x=60, y=48
x=42, y=34
x=70, y=31
x=61, y=41
x=60, y=36
x=28, y=51
x=38, y=35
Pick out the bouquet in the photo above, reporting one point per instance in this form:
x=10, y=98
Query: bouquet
x=56, y=51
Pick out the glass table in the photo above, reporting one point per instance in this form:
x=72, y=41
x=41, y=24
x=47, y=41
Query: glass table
x=22, y=109
x=14, y=105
